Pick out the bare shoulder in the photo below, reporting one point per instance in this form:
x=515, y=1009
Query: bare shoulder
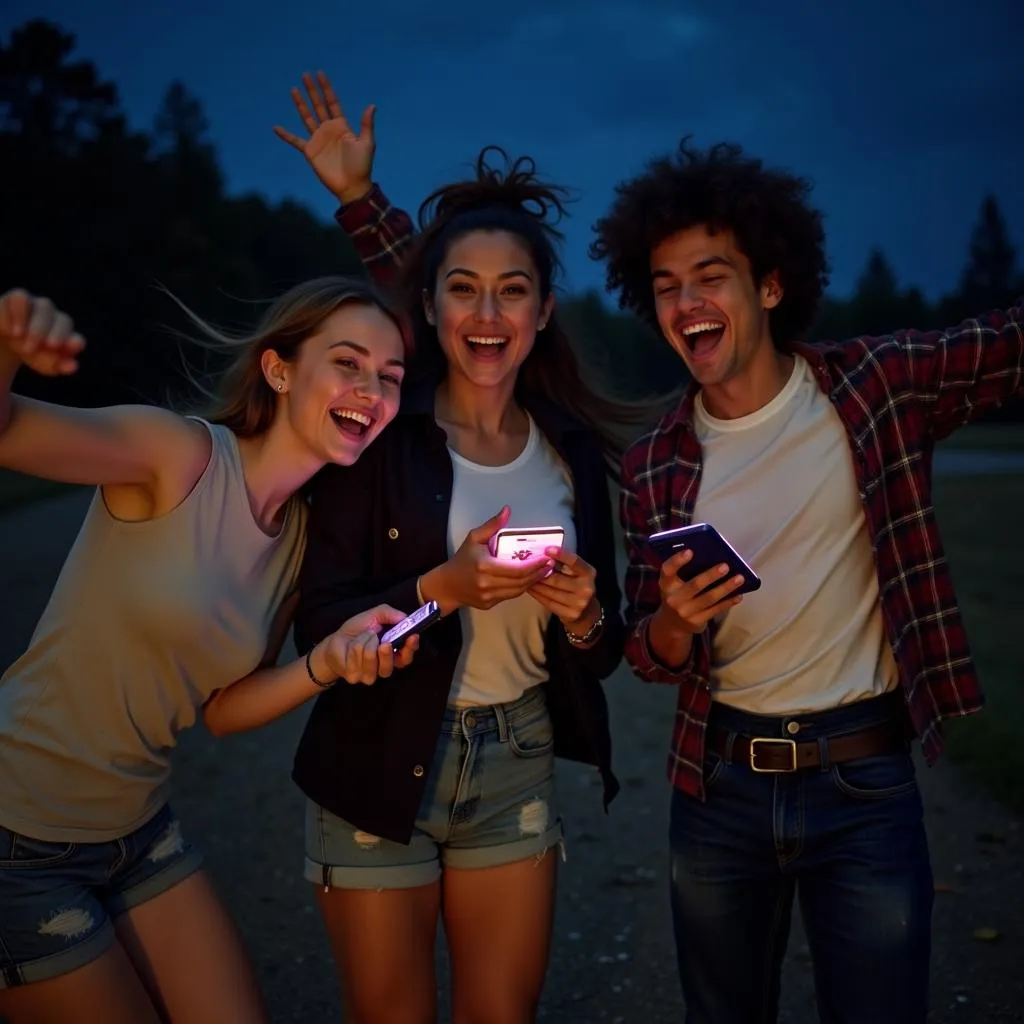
x=180, y=449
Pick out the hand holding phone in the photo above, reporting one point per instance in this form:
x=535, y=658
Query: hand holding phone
x=709, y=549
x=526, y=545
x=571, y=593
x=354, y=653
x=411, y=625
x=701, y=576
x=474, y=577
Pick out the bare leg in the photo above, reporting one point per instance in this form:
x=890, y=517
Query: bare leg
x=498, y=922
x=191, y=958
x=383, y=944
x=105, y=991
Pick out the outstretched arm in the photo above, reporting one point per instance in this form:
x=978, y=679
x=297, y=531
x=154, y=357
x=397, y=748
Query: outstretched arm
x=343, y=161
x=146, y=449
x=967, y=370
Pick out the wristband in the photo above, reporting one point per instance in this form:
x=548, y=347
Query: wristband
x=312, y=674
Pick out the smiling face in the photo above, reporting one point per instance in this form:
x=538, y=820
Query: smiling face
x=344, y=386
x=710, y=308
x=487, y=307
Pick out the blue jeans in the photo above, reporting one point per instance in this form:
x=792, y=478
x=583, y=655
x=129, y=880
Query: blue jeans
x=58, y=900
x=489, y=801
x=849, y=838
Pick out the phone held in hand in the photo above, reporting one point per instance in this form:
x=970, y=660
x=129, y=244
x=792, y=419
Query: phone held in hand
x=709, y=549
x=526, y=544
x=418, y=621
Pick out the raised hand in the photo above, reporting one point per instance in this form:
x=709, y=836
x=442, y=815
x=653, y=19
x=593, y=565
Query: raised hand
x=354, y=651
x=38, y=334
x=342, y=160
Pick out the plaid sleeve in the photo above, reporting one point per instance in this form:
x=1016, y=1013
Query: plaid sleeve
x=641, y=584
x=380, y=232
x=969, y=369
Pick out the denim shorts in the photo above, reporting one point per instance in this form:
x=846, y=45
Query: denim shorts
x=488, y=801
x=57, y=900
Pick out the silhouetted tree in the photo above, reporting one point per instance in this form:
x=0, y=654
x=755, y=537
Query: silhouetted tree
x=102, y=214
x=988, y=279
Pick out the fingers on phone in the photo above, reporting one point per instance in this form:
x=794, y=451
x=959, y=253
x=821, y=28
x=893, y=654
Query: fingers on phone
x=671, y=566
x=387, y=659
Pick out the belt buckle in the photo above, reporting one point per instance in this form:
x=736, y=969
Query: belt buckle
x=756, y=740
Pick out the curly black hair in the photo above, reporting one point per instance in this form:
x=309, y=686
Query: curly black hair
x=767, y=211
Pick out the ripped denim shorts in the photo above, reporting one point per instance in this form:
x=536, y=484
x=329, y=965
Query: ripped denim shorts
x=58, y=900
x=489, y=800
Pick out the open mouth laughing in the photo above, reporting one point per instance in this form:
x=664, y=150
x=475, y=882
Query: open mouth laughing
x=702, y=336
x=487, y=346
x=352, y=422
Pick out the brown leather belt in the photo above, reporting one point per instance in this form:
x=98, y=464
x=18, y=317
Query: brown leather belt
x=781, y=754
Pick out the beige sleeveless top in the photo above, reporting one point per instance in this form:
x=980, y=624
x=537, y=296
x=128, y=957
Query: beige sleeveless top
x=147, y=619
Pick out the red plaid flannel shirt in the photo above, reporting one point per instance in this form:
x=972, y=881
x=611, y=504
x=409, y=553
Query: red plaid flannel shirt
x=379, y=231
x=896, y=396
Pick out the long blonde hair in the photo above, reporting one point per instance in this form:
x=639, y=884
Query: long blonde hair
x=243, y=401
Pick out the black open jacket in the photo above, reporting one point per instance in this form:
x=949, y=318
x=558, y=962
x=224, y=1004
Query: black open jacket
x=376, y=527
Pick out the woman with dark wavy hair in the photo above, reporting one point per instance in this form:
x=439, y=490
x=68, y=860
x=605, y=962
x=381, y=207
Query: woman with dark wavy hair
x=433, y=795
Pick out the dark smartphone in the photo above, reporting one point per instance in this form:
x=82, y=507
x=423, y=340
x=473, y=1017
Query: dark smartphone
x=709, y=549
x=418, y=621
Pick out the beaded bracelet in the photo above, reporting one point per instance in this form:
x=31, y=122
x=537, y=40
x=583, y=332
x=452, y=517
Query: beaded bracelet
x=581, y=641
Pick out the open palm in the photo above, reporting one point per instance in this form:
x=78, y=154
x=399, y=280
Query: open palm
x=342, y=160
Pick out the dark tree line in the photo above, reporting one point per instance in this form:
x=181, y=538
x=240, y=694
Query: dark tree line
x=102, y=218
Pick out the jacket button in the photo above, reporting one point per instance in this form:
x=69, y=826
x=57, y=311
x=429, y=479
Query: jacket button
x=393, y=533
x=418, y=771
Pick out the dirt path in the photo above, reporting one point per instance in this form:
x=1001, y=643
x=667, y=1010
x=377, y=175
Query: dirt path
x=613, y=958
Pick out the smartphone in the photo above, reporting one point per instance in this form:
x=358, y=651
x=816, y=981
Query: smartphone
x=418, y=621
x=526, y=543
x=709, y=549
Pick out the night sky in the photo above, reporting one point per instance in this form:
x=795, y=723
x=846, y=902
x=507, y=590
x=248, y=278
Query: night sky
x=903, y=112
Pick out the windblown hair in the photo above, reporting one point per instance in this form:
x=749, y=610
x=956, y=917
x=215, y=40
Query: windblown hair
x=766, y=210
x=243, y=401
x=512, y=199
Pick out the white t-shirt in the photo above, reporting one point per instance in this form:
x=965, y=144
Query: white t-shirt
x=779, y=484
x=503, y=647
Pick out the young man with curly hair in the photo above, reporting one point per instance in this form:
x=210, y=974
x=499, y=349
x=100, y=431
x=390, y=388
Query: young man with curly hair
x=797, y=703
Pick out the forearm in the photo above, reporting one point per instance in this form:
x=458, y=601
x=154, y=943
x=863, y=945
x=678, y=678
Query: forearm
x=967, y=370
x=603, y=654
x=379, y=231
x=668, y=643
x=9, y=366
x=266, y=695
x=434, y=586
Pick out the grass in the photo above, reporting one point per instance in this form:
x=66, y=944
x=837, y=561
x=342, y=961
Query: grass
x=993, y=437
x=986, y=552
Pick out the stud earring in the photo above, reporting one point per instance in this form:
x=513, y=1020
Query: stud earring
x=280, y=387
